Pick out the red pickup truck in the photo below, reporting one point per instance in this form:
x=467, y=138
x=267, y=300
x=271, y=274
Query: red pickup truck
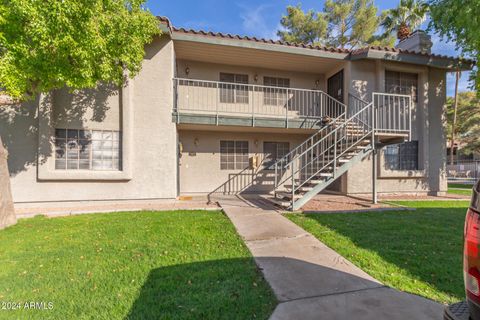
x=470, y=309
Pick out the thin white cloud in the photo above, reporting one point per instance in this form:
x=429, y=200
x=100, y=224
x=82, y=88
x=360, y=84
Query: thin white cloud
x=254, y=21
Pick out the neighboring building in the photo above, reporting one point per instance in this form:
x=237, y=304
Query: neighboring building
x=212, y=111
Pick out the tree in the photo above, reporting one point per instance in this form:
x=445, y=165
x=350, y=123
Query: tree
x=454, y=122
x=402, y=20
x=45, y=45
x=351, y=22
x=51, y=44
x=458, y=21
x=301, y=27
x=467, y=127
x=343, y=23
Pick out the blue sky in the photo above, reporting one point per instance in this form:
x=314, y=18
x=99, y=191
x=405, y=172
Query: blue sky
x=261, y=19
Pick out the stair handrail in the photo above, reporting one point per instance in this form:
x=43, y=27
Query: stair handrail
x=344, y=116
x=332, y=122
x=334, y=147
x=333, y=131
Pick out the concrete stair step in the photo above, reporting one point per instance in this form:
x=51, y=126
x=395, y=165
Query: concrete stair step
x=288, y=195
x=278, y=202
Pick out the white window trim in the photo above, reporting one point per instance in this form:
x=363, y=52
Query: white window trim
x=46, y=128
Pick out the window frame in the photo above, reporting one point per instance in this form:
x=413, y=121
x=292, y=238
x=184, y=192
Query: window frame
x=407, y=83
x=273, y=96
x=109, y=142
x=234, y=88
x=402, y=156
x=234, y=155
x=268, y=163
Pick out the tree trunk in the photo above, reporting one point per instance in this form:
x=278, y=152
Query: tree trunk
x=454, y=123
x=7, y=213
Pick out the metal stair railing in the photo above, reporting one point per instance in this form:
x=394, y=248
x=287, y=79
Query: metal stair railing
x=386, y=114
x=282, y=164
x=325, y=154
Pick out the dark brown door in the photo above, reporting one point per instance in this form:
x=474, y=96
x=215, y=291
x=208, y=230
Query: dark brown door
x=335, y=86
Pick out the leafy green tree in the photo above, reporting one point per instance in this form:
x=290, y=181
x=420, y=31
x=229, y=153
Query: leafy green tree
x=402, y=20
x=467, y=124
x=303, y=27
x=351, y=23
x=458, y=21
x=343, y=23
x=50, y=44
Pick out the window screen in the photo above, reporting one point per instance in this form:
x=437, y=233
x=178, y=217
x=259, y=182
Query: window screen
x=233, y=155
x=274, y=96
x=235, y=90
x=403, y=156
x=274, y=151
x=87, y=149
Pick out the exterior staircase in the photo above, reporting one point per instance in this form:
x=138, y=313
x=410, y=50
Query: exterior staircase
x=340, y=144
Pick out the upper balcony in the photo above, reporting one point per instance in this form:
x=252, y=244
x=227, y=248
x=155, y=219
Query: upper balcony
x=241, y=104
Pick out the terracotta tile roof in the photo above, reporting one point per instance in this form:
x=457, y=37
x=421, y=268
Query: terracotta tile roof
x=306, y=46
x=397, y=50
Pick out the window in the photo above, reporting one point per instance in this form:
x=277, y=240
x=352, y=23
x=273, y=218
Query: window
x=403, y=156
x=274, y=96
x=274, y=151
x=402, y=83
x=87, y=149
x=233, y=155
x=231, y=92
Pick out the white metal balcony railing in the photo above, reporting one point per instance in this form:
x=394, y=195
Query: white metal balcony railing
x=248, y=100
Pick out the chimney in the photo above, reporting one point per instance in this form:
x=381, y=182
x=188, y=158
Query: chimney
x=418, y=41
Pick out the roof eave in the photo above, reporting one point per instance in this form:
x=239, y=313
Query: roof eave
x=425, y=60
x=258, y=45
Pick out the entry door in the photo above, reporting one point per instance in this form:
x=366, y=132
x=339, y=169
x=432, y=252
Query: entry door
x=335, y=86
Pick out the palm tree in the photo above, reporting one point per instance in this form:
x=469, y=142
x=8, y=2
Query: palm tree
x=409, y=15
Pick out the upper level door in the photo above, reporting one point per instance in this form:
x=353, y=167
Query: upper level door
x=335, y=86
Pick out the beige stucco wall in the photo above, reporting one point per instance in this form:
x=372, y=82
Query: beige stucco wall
x=200, y=163
x=149, y=137
x=142, y=110
x=427, y=129
x=210, y=71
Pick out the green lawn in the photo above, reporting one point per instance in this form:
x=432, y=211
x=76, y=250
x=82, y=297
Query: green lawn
x=461, y=189
x=148, y=265
x=416, y=251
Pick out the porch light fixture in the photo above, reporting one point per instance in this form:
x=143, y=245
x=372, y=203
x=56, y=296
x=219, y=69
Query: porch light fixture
x=255, y=77
x=317, y=83
x=187, y=71
x=195, y=142
x=256, y=142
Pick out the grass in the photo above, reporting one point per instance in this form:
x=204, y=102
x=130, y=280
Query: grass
x=146, y=265
x=415, y=251
x=460, y=189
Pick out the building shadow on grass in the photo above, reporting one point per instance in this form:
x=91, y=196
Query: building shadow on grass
x=427, y=243
x=219, y=289
x=235, y=289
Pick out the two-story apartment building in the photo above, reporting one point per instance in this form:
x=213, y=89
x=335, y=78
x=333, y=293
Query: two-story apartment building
x=212, y=112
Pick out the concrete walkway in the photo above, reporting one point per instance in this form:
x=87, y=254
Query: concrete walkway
x=310, y=280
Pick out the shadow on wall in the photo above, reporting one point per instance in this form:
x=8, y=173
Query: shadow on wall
x=19, y=123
